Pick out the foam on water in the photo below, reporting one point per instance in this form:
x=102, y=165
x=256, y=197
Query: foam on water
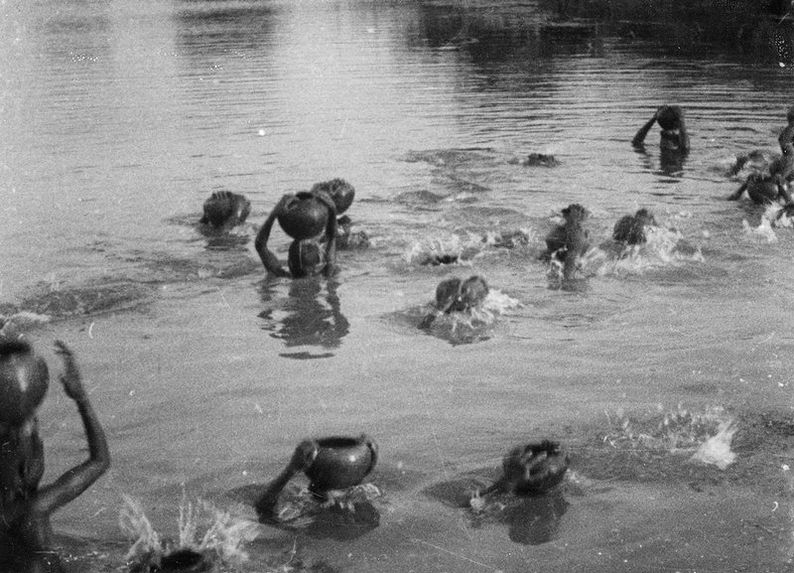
x=223, y=533
x=664, y=247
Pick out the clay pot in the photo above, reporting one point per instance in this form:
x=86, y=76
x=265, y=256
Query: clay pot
x=24, y=379
x=341, y=192
x=304, y=216
x=341, y=462
x=306, y=258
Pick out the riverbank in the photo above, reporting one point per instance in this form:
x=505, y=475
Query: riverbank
x=759, y=29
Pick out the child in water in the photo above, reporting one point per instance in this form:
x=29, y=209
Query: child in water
x=25, y=508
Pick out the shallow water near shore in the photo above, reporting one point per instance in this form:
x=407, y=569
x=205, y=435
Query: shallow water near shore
x=121, y=118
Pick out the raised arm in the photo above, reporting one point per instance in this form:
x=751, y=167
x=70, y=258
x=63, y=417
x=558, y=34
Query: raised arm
x=75, y=481
x=269, y=259
x=330, y=234
x=639, y=138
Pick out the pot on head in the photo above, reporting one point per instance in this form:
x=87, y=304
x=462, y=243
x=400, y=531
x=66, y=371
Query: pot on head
x=304, y=216
x=24, y=379
x=341, y=462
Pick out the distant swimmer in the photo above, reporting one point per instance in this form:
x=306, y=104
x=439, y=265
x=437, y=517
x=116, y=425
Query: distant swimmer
x=454, y=295
x=225, y=209
x=25, y=508
x=566, y=243
x=532, y=469
x=630, y=229
x=674, y=137
x=310, y=219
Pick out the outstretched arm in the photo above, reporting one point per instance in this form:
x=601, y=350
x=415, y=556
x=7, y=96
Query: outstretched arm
x=269, y=259
x=78, y=479
x=302, y=458
x=639, y=138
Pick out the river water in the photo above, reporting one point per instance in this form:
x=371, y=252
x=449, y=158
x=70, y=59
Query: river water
x=119, y=118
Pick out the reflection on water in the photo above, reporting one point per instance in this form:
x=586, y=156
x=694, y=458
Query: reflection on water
x=310, y=315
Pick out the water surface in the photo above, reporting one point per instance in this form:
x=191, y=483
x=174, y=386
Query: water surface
x=120, y=118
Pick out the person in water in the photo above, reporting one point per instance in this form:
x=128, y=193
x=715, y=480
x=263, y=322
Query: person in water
x=454, y=295
x=674, y=136
x=25, y=508
x=567, y=243
x=630, y=229
x=310, y=218
x=342, y=193
x=224, y=209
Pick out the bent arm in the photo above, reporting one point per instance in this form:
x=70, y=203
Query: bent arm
x=268, y=258
x=738, y=193
x=330, y=234
x=639, y=138
x=78, y=479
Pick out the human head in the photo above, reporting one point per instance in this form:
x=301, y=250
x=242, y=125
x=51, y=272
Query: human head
x=669, y=116
x=448, y=294
x=574, y=212
x=790, y=115
x=306, y=258
x=24, y=379
x=473, y=290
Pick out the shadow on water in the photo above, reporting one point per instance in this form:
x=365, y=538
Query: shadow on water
x=530, y=520
x=310, y=315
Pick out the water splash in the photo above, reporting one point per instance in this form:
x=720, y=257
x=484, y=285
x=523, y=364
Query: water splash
x=664, y=247
x=461, y=249
x=476, y=323
x=673, y=430
x=717, y=449
x=764, y=230
x=224, y=534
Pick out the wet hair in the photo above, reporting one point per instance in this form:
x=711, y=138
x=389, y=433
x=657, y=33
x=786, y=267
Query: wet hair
x=669, y=117
x=574, y=212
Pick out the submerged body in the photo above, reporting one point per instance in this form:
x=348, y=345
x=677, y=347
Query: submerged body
x=225, y=209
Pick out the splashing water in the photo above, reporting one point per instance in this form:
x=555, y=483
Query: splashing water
x=717, y=449
x=763, y=230
x=476, y=323
x=674, y=430
x=224, y=534
x=663, y=247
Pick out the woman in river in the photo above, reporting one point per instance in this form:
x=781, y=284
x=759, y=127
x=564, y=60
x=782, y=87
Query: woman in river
x=674, y=137
x=310, y=219
x=25, y=508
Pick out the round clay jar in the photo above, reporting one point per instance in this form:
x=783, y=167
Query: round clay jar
x=341, y=462
x=304, y=216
